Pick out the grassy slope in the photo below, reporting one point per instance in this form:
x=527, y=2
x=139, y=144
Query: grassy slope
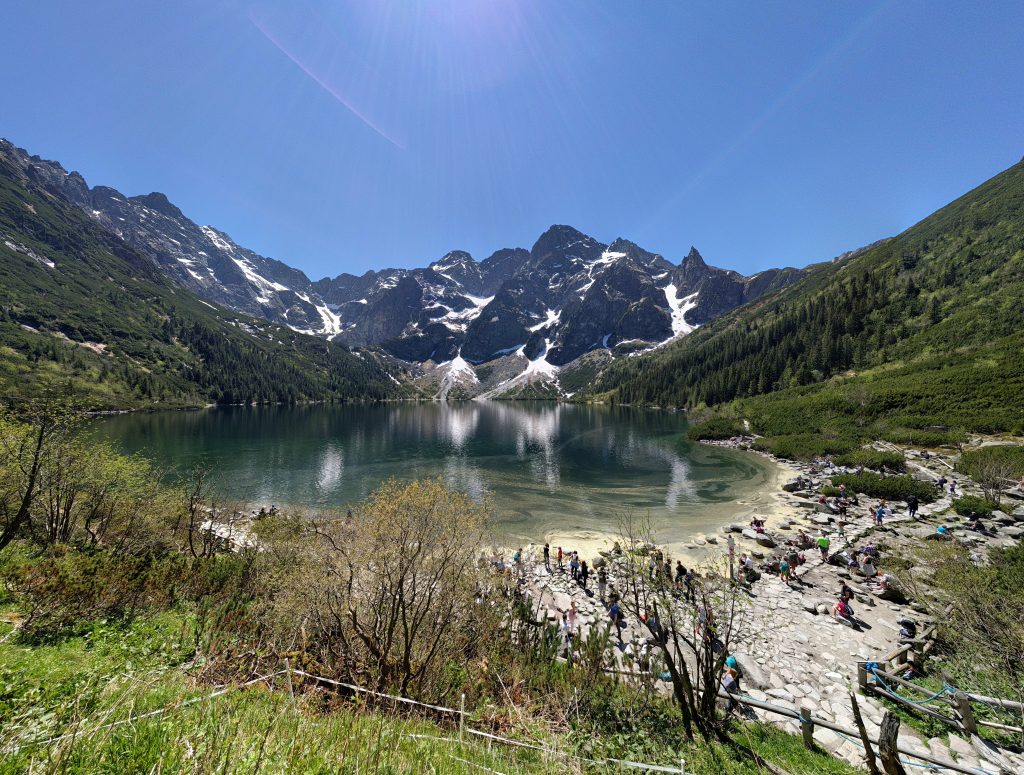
x=110, y=671
x=163, y=346
x=926, y=328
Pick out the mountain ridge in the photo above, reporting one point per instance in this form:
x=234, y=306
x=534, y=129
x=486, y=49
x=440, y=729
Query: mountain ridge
x=565, y=297
x=924, y=328
x=82, y=311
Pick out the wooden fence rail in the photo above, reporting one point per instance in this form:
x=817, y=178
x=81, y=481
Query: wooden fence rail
x=808, y=721
x=873, y=680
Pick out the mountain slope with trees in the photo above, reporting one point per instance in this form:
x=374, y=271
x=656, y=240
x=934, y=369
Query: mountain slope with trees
x=81, y=310
x=924, y=329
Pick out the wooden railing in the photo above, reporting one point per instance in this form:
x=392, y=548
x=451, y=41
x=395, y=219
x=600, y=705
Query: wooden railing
x=872, y=679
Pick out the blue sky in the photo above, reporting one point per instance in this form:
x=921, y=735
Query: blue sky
x=356, y=134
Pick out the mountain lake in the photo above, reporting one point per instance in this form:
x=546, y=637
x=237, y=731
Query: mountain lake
x=559, y=472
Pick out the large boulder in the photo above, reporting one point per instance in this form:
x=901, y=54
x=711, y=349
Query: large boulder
x=793, y=485
x=754, y=676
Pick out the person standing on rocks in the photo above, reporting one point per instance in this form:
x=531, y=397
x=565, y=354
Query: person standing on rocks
x=547, y=557
x=680, y=573
x=845, y=593
x=912, y=504
x=688, y=581
x=823, y=544
x=602, y=582
x=879, y=513
x=584, y=575
x=615, y=614
x=574, y=566
x=560, y=555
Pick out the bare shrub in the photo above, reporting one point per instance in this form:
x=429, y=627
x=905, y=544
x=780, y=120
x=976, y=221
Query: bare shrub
x=382, y=597
x=692, y=638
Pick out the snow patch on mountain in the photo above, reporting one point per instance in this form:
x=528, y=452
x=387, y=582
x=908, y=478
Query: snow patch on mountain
x=458, y=365
x=551, y=318
x=679, y=309
x=18, y=247
x=540, y=365
x=455, y=372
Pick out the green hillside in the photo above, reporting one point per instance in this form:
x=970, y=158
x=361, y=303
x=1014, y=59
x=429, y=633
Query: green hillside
x=80, y=309
x=926, y=328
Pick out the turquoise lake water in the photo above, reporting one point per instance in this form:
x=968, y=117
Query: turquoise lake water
x=555, y=471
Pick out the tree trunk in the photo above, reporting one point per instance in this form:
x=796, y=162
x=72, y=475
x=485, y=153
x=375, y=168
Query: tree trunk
x=887, y=744
x=12, y=527
x=869, y=752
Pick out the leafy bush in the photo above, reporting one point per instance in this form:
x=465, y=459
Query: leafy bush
x=872, y=458
x=896, y=488
x=973, y=506
x=977, y=608
x=1010, y=456
x=804, y=446
x=831, y=492
x=67, y=588
x=919, y=437
x=995, y=468
x=716, y=428
x=71, y=587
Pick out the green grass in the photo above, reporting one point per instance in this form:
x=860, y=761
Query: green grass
x=115, y=671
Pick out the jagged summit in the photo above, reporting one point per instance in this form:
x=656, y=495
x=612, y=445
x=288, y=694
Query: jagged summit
x=694, y=257
x=540, y=309
x=159, y=202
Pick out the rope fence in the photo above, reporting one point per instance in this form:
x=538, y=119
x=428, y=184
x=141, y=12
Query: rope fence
x=808, y=721
x=803, y=717
x=147, y=715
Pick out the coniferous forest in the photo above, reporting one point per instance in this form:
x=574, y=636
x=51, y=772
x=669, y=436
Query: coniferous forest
x=81, y=311
x=923, y=329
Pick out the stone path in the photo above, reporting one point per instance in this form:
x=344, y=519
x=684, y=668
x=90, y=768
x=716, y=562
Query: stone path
x=794, y=655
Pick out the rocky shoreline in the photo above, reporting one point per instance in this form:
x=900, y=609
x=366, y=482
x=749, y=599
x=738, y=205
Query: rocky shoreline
x=791, y=650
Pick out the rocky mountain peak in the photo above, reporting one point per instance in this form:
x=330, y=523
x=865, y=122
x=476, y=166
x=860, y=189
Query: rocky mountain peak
x=694, y=258
x=560, y=238
x=532, y=312
x=452, y=258
x=159, y=202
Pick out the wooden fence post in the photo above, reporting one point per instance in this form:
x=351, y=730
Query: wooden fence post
x=963, y=707
x=862, y=675
x=869, y=752
x=462, y=715
x=288, y=673
x=887, y=741
x=807, y=727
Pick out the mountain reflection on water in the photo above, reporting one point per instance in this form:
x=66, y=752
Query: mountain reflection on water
x=542, y=466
